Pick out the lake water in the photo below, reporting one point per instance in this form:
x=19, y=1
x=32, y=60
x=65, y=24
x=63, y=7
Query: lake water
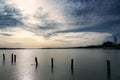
x=89, y=64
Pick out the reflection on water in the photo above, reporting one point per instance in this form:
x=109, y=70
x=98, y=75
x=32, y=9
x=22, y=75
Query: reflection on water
x=52, y=70
x=3, y=62
x=108, y=76
x=88, y=64
x=72, y=72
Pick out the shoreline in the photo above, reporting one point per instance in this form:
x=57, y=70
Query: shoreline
x=109, y=48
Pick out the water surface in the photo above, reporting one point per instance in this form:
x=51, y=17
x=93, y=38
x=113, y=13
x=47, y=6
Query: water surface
x=89, y=64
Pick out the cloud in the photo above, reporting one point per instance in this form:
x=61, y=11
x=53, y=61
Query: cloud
x=92, y=16
x=61, y=20
x=5, y=34
x=9, y=17
x=81, y=16
x=108, y=27
x=42, y=23
x=99, y=7
x=80, y=38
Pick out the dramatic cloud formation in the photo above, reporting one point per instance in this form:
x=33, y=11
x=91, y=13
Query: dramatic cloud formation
x=56, y=23
x=9, y=17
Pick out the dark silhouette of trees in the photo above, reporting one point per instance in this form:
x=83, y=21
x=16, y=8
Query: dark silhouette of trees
x=108, y=44
x=115, y=39
x=119, y=45
x=111, y=45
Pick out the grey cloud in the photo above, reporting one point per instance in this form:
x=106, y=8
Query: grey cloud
x=96, y=16
x=99, y=8
x=5, y=34
x=102, y=7
x=10, y=17
x=64, y=41
x=110, y=27
x=47, y=28
x=68, y=37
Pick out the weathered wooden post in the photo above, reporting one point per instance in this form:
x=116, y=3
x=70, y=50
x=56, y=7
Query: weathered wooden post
x=15, y=58
x=12, y=58
x=52, y=64
x=3, y=57
x=36, y=61
x=72, y=64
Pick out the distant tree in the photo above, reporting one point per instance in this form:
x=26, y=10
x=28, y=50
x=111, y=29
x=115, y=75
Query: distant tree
x=115, y=39
x=108, y=44
x=119, y=45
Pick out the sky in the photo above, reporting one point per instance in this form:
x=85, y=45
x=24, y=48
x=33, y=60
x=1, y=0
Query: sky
x=58, y=23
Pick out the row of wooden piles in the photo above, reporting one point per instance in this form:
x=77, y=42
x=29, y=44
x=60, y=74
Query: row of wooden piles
x=13, y=60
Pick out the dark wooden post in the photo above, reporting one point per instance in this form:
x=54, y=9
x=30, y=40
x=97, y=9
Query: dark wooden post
x=15, y=58
x=72, y=63
x=36, y=61
x=12, y=58
x=3, y=57
x=52, y=64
